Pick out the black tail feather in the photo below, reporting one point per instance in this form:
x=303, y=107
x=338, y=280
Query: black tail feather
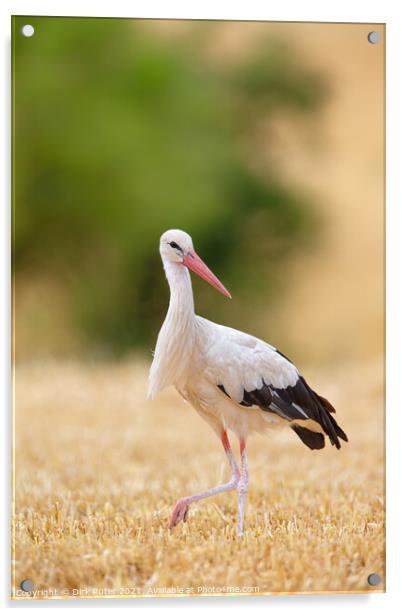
x=326, y=419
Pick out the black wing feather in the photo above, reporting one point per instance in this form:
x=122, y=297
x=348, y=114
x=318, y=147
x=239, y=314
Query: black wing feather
x=314, y=440
x=297, y=402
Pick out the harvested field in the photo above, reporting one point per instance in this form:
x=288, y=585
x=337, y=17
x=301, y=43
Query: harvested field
x=98, y=469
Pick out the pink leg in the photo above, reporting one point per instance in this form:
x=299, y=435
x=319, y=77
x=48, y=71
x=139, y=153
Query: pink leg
x=242, y=486
x=180, y=510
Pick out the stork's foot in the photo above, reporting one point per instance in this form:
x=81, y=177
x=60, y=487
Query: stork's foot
x=179, y=513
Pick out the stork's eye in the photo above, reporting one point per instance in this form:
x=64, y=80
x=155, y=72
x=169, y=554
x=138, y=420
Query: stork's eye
x=176, y=246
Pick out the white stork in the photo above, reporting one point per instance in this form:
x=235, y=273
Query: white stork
x=233, y=380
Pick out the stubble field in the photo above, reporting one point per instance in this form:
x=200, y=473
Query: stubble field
x=98, y=469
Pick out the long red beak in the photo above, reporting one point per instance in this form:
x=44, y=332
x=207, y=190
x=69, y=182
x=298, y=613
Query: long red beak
x=197, y=265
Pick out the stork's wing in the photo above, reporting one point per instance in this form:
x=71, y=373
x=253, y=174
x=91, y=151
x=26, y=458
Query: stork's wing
x=253, y=373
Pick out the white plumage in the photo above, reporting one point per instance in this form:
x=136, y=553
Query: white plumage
x=235, y=381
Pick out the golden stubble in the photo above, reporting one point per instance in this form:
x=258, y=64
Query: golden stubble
x=98, y=469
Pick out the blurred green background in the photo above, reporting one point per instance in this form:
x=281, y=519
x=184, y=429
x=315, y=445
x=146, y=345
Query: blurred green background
x=123, y=131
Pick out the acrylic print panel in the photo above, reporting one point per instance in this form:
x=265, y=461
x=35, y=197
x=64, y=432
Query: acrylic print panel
x=260, y=147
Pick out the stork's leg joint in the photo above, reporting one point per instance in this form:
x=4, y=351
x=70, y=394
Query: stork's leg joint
x=243, y=484
x=180, y=511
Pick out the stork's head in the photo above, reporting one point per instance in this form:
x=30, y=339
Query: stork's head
x=177, y=246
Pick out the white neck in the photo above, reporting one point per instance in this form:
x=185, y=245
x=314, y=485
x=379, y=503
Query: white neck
x=181, y=304
x=176, y=337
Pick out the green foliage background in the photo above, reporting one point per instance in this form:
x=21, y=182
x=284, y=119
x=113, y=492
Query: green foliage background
x=121, y=133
